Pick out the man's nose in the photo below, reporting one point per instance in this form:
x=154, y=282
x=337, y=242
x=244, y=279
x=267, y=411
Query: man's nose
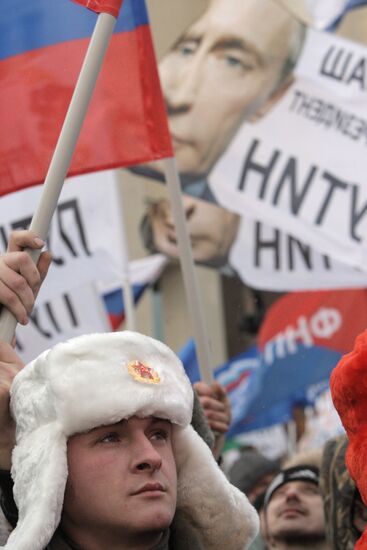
x=189, y=210
x=181, y=92
x=167, y=216
x=145, y=456
x=292, y=493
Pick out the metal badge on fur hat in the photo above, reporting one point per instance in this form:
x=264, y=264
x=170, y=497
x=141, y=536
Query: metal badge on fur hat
x=97, y=380
x=143, y=373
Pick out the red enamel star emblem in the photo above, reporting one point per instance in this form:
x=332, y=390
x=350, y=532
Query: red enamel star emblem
x=143, y=373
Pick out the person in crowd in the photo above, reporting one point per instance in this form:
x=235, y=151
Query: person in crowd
x=293, y=515
x=348, y=383
x=252, y=473
x=250, y=46
x=216, y=406
x=345, y=513
x=105, y=454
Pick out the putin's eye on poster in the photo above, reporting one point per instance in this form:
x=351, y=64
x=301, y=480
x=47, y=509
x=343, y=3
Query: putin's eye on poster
x=266, y=116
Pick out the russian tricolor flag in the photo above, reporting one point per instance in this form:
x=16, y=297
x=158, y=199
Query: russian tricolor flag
x=42, y=47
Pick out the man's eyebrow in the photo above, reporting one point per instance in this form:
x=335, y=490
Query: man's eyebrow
x=233, y=43
x=187, y=37
x=156, y=419
x=106, y=426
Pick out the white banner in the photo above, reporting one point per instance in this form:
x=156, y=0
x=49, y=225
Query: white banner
x=267, y=258
x=75, y=312
x=84, y=237
x=85, y=241
x=302, y=167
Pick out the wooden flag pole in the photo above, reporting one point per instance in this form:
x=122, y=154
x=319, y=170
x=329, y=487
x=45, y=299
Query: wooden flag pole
x=188, y=272
x=66, y=144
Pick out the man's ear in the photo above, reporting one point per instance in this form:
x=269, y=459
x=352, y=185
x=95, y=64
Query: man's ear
x=272, y=100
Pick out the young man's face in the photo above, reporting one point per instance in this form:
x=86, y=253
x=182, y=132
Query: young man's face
x=122, y=479
x=219, y=73
x=295, y=512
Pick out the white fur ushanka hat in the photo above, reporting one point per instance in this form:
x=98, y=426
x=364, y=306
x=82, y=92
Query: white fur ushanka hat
x=100, y=379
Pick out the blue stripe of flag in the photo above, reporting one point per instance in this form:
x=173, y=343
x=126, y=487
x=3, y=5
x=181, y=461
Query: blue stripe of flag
x=349, y=5
x=355, y=4
x=26, y=25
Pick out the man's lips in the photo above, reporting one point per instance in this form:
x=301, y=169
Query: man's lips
x=180, y=141
x=291, y=512
x=150, y=488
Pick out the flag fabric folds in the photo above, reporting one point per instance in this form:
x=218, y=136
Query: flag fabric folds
x=102, y=6
x=143, y=275
x=42, y=47
x=300, y=341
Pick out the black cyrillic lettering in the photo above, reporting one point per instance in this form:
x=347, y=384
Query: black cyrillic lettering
x=356, y=215
x=334, y=185
x=304, y=249
x=359, y=74
x=273, y=245
x=288, y=178
x=72, y=206
x=264, y=170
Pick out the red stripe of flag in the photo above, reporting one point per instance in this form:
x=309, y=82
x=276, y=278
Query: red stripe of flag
x=102, y=6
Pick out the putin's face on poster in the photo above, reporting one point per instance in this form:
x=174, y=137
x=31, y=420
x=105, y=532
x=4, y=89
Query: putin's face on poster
x=229, y=66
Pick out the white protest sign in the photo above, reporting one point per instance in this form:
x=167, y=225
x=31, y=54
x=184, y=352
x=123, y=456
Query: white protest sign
x=267, y=258
x=77, y=311
x=84, y=237
x=302, y=167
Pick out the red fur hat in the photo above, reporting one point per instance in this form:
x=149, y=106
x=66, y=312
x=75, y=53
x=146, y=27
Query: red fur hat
x=348, y=385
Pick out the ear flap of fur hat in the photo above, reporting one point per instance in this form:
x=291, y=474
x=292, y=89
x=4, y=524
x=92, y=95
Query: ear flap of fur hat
x=40, y=471
x=216, y=509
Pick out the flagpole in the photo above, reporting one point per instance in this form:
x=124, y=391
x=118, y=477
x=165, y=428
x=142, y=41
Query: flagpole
x=187, y=265
x=64, y=150
x=127, y=292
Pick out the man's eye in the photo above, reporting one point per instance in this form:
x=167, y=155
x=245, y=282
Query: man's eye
x=160, y=435
x=312, y=491
x=240, y=63
x=112, y=437
x=187, y=48
x=233, y=61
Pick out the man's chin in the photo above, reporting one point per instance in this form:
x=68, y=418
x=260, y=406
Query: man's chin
x=157, y=520
x=296, y=535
